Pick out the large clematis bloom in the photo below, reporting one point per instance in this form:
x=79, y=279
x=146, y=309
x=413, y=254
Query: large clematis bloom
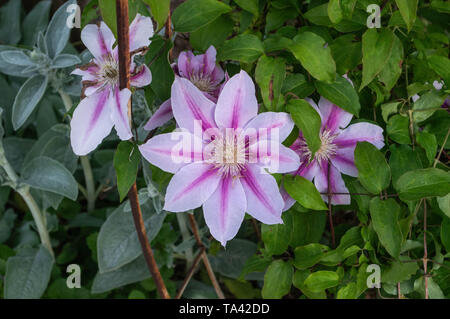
x=337, y=151
x=106, y=106
x=226, y=171
x=202, y=71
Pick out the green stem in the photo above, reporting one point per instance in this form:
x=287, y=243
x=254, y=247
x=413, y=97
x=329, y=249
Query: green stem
x=90, y=184
x=87, y=169
x=24, y=191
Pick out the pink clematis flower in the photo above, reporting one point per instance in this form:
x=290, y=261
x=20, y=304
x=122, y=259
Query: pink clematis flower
x=202, y=71
x=337, y=148
x=105, y=105
x=226, y=172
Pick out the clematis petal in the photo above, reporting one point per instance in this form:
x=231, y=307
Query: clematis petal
x=184, y=63
x=191, y=186
x=160, y=117
x=237, y=102
x=118, y=104
x=209, y=60
x=271, y=126
x=90, y=74
x=337, y=184
x=172, y=151
x=308, y=170
x=333, y=117
x=217, y=75
x=142, y=78
x=360, y=132
x=276, y=157
x=264, y=201
x=91, y=123
x=141, y=30
x=288, y=200
x=344, y=160
x=189, y=105
x=98, y=39
x=224, y=211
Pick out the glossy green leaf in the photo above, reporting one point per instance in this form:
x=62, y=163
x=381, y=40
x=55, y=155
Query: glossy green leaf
x=385, y=214
x=309, y=255
x=373, y=171
x=277, y=280
x=160, y=10
x=421, y=183
x=408, y=10
x=314, y=55
x=194, y=14
x=322, y=279
x=126, y=162
x=341, y=93
x=304, y=192
x=246, y=48
x=269, y=75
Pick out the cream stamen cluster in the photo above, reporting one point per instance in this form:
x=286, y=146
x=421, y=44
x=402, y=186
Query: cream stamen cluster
x=327, y=148
x=109, y=71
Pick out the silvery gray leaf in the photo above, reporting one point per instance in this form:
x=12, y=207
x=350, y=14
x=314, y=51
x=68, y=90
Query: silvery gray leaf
x=65, y=61
x=58, y=32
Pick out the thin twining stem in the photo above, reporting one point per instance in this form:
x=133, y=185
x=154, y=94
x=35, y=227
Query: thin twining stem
x=124, y=82
x=206, y=262
x=359, y=194
x=191, y=272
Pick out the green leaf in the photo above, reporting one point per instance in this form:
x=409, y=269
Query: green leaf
x=429, y=143
x=430, y=100
x=132, y=272
x=398, y=129
x=373, y=171
x=444, y=204
x=389, y=109
x=440, y=65
x=58, y=32
x=421, y=183
x=321, y=280
x=308, y=121
x=276, y=238
x=160, y=10
x=277, y=280
x=28, y=274
x=309, y=255
x=158, y=56
x=376, y=48
x=246, y=48
x=214, y=33
x=335, y=11
x=445, y=233
x=304, y=192
x=194, y=14
x=36, y=21
x=117, y=243
x=269, y=75
x=393, y=68
x=47, y=174
x=109, y=15
x=314, y=55
x=347, y=53
x=342, y=93
x=399, y=271
x=126, y=162
x=307, y=227
x=408, y=10
x=10, y=22
x=434, y=291
x=384, y=214
x=402, y=160
x=347, y=292
x=299, y=281
x=27, y=99
x=251, y=6
x=296, y=83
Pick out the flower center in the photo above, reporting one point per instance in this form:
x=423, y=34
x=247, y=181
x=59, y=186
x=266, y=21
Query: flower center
x=227, y=153
x=109, y=71
x=202, y=82
x=326, y=150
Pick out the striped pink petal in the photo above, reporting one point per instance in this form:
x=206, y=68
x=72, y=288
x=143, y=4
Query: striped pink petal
x=271, y=126
x=237, y=102
x=160, y=117
x=224, y=211
x=172, y=151
x=333, y=117
x=190, y=106
x=274, y=156
x=142, y=78
x=191, y=186
x=91, y=123
x=118, y=105
x=141, y=30
x=264, y=201
x=337, y=184
x=98, y=39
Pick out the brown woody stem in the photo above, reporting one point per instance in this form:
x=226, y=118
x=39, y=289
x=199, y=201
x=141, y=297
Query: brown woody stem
x=124, y=82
